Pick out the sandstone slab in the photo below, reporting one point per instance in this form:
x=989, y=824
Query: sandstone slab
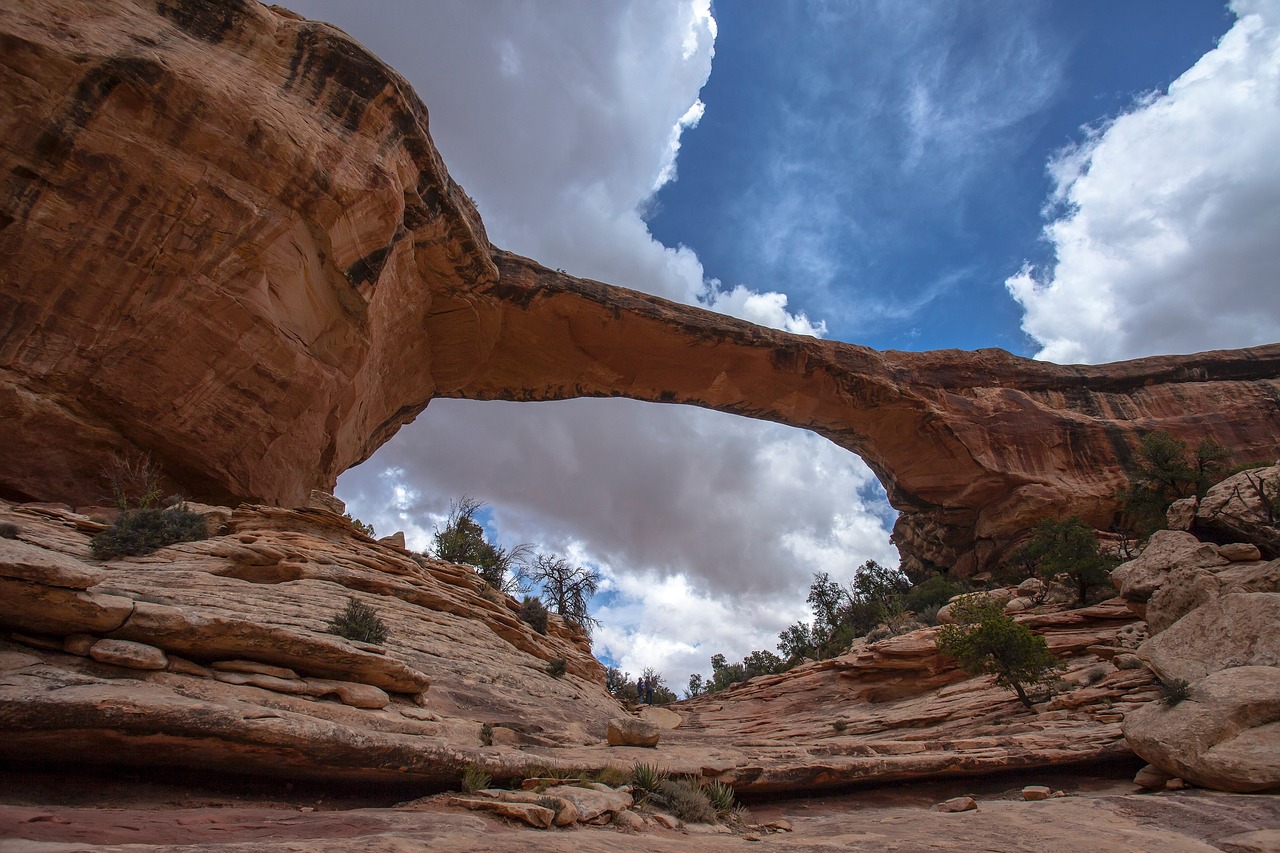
x=1241, y=629
x=57, y=610
x=127, y=654
x=25, y=562
x=1225, y=735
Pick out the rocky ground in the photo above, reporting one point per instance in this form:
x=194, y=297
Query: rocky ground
x=54, y=813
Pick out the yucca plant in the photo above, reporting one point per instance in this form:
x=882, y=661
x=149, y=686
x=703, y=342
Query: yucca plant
x=645, y=780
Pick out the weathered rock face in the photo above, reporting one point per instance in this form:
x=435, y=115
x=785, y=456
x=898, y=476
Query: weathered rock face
x=219, y=654
x=230, y=241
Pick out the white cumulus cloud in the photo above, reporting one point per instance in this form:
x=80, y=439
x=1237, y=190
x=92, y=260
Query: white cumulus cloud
x=1165, y=220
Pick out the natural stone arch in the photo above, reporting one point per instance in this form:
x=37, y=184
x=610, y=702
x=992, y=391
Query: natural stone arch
x=259, y=275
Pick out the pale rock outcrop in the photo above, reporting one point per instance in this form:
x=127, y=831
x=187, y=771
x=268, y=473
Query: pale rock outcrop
x=127, y=654
x=263, y=194
x=1245, y=506
x=1223, y=736
x=1138, y=579
x=1236, y=630
x=630, y=731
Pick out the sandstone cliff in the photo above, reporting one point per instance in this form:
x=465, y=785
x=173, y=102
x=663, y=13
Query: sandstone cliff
x=230, y=241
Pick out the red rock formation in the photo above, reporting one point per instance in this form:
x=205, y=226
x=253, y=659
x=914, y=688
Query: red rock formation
x=229, y=240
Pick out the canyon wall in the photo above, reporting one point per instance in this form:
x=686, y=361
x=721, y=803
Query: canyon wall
x=230, y=241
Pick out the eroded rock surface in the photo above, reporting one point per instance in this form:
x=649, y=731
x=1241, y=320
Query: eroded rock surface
x=203, y=212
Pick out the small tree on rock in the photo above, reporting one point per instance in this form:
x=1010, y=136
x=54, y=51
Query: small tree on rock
x=566, y=588
x=1067, y=547
x=463, y=541
x=984, y=640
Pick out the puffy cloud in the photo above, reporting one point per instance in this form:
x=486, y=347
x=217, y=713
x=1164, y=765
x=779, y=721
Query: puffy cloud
x=1165, y=219
x=561, y=120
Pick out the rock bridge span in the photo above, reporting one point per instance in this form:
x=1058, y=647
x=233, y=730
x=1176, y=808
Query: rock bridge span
x=230, y=240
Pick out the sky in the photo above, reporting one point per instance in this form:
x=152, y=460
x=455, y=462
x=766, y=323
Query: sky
x=1074, y=180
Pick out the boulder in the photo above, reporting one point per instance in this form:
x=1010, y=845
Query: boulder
x=1033, y=793
x=536, y=816
x=1242, y=508
x=663, y=718
x=1239, y=552
x=1181, y=514
x=1225, y=735
x=127, y=654
x=1151, y=778
x=629, y=731
x=957, y=804
x=1240, y=629
x=1138, y=579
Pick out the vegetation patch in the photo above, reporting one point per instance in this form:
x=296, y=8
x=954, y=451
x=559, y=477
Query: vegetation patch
x=359, y=622
x=137, y=532
x=984, y=640
x=556, y=667
x=475, y=779
x=534, y=613
x=9, y=530
x=1175, y=691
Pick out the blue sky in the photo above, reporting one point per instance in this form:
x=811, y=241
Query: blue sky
x=1077, y=181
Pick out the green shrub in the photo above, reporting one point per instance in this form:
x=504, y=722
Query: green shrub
x=486, y=734
x=931, y=593
x=360, y=526
x=137, y=532
x=1069, y=547
x=686, y=801
x=984, y=640
x=556, y=667
x=359, y=622
x=8, y=530
x=645, y=781
x=475, y=779
x=614, y=777
x=721, y=797
x=534, y=613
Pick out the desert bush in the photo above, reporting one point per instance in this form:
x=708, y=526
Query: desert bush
x=1166, y=471
x=933, y=592
x=534, y=613
x=360, y=526
x=554, y=803
x=721, y=797
x=9, y=530
x=566, y=588
x=686, y=801
x=475, y=779
x=1175, y=690
x=486, y=734
x=463, y=541
x=838, y=726
x=556, y=667
x=614, y=777
x=135, y=479
x=1067, y=547
x=359, y=622
x=984, y=640
x=645, y=781
x=137, y=532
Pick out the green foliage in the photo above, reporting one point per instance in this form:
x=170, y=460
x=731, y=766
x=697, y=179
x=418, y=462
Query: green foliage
x=875, y=595
x=685, y=800
x=984, y=640
x=614, y=777
x=534, y=613
x=359, y=622
x=1166, y=471
x=566, y=589
x=931, y=593
x=1070, y=547
x=1175, y=690
x=645, y=781
x=9, y=530
x=556, y=667
x=462, y=541
x=696, y=687
x=360, y=526
x=475, y=779
x=486, y=734
x=721, y=797
x=136, y=532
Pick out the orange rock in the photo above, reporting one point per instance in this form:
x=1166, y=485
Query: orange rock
x=240, y=251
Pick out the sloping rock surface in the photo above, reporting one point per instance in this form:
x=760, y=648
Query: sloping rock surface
x=230, y=241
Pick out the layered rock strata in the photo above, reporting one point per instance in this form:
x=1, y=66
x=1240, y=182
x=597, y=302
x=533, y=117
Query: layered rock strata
x=231, y=242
